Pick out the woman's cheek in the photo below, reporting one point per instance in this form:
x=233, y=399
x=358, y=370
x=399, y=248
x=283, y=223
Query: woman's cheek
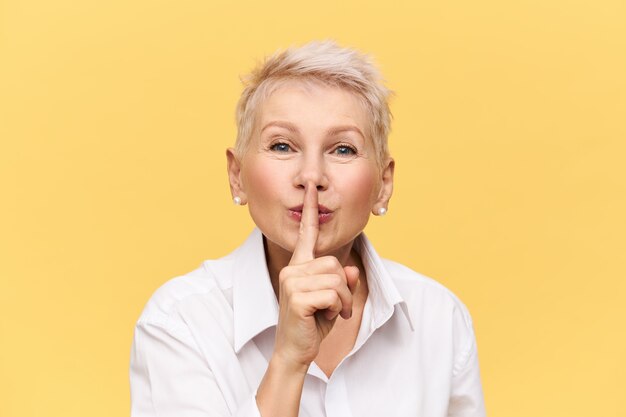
x=361, y=185
x=263, y=178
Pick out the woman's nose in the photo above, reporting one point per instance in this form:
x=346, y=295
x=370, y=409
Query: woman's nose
x=311, y=169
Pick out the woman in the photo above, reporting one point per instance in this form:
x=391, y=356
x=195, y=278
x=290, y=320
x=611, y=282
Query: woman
x=305, y=318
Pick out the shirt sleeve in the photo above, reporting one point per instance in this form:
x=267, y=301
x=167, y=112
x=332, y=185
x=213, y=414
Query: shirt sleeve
x=170, y=378
x=466, y=399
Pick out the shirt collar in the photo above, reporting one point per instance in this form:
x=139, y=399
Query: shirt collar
x=255, y=307
x=383, y=293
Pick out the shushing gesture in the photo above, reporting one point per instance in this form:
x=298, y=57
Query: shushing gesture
x=312, y=292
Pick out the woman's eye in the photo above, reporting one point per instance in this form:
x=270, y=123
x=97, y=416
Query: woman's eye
x=280, y=147
x=345, y=150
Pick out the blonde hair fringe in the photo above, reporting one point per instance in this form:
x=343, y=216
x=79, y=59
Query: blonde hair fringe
x=318, y=61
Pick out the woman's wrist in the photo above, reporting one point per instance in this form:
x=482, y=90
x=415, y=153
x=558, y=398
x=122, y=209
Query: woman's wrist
x=283, y=364
x=281, y=388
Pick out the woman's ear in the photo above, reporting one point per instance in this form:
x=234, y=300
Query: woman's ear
x=234, y=176
x=386, y=189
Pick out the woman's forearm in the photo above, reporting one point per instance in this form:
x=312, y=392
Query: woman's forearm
x=281, y=389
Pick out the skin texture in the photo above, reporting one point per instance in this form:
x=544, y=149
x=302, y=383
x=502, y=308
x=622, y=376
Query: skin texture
x=309, y=161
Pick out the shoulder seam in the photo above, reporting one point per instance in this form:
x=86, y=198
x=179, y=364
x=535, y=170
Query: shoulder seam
x=165, y=322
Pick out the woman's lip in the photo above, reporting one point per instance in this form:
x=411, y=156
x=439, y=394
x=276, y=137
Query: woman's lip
x=320, y=209
x=321, y=217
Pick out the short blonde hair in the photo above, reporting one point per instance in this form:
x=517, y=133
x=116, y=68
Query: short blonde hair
x=325, y=62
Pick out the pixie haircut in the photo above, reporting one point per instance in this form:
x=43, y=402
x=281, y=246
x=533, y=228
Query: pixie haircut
x=323, y=62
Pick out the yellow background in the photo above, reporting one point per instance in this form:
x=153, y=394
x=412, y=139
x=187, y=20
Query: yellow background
x=509, y=137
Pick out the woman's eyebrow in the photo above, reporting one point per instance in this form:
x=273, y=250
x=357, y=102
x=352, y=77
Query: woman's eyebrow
x=330, y=132
x=347, y=128
x=285, y=125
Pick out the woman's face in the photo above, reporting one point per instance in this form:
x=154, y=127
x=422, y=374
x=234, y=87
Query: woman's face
x=311, y=133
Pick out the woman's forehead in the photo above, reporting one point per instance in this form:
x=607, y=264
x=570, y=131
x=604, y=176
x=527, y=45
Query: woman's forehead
x=312, y=103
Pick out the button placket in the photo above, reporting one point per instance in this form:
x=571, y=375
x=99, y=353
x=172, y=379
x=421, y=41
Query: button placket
x=336, y=400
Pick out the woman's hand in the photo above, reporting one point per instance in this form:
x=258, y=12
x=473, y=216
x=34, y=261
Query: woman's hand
x=312, y=293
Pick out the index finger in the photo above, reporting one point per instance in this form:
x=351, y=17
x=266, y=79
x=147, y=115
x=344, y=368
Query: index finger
x=309, y=227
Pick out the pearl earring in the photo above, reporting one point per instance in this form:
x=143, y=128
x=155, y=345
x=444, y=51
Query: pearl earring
x=382, y=211
x=237, y=200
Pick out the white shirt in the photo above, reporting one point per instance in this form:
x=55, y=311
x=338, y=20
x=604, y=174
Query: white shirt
x=204, y=340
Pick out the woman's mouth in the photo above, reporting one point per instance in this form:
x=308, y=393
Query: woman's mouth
x=324, y=215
